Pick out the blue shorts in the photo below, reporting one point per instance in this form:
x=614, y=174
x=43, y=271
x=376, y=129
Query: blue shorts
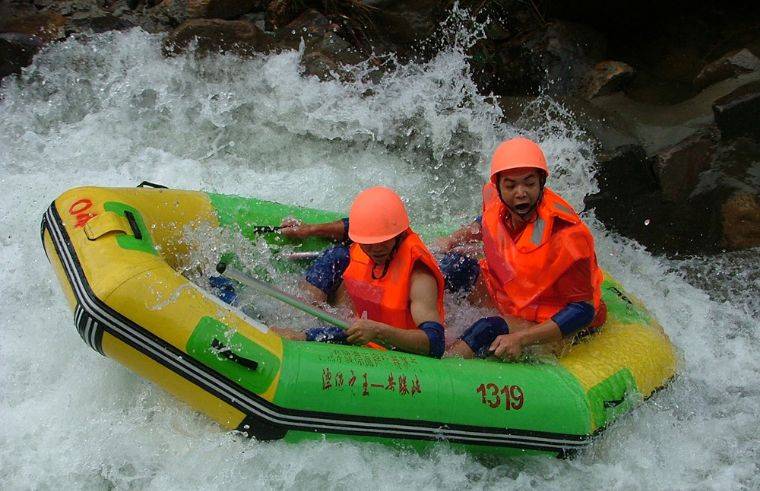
x=459, y=271
x=326, y=272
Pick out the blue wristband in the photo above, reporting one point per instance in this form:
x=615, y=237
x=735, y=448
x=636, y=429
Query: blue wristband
x=345, y=228
x=573, y=317
x=436, y=337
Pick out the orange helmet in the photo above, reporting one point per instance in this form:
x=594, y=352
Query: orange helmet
x=518, y=153
x=377, y=214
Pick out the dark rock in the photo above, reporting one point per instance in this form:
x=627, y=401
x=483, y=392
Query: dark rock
x=630, y=203
x=45, y=26
x=728, y=66
x=321, y=65
x=98, y=24
x=311, y=26
x=607, y=77
x=741, y=221
x=556, y=57
x=678, y=167
x=405, y=22
x=178, y=11
x=282, y=12
x=659, y=127
x=16, y=53
x=737, y=113
x=22, y=36
x=218, y=36
x=684, y=200
x=220, y=9
x=325, y=52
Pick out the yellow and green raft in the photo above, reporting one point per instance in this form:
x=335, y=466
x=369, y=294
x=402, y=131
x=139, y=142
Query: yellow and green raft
x=115, y=252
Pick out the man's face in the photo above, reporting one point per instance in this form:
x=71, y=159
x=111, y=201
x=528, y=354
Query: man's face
x=520, y=189
x=380, y=253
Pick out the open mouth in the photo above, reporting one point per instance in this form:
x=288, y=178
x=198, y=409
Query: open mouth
x=522, y=207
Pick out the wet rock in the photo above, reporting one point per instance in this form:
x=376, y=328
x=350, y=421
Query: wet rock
x=682, y=200
x=737, y=113
x=218, y=36
x=630, y=203
x=678, y=167
x=607, y=77
x=728, y=66
x=16, y=52
x=321, y=65
x=325, y=52
x=98, y=24
x=282, y=12
x=220, y=9
x=45, y=26
x=22, y=36
x=741, y=221
x=659, y=127
x=556, y=57
x=178, y=11
x=311, y=26
x=405, y=22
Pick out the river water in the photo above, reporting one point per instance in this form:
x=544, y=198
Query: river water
x=112, y=111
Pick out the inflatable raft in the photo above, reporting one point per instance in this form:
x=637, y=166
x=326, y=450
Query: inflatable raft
x=115, y=252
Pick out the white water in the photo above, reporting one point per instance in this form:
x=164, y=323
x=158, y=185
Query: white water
x=113, y=112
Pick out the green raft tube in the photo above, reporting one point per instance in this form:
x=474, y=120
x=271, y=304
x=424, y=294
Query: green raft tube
x=116, y=252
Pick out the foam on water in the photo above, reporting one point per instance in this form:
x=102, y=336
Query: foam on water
x=112, y=111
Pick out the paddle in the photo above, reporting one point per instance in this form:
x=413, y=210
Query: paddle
x=267, y=289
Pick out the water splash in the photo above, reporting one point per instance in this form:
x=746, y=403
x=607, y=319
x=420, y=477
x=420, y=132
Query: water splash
x=110, y=110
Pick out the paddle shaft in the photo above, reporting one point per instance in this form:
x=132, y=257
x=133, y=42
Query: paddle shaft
x=234, y=274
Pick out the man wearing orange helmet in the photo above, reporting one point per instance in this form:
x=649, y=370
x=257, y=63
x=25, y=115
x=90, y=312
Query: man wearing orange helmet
x=388, y=277
x=540, y=268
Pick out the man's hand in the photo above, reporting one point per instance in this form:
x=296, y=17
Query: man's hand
x=362, y=331
x=293, y=228
x=507, y=346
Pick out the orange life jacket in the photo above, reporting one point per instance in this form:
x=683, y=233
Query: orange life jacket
x=386, y=299
x=521, y=274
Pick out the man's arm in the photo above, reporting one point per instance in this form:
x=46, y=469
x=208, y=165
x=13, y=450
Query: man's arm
x=423, y=298
x=295, y=229
x=563, y=324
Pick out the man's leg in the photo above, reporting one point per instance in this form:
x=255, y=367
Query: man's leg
x=460, y=272
x=320, y=282
x=325, y=274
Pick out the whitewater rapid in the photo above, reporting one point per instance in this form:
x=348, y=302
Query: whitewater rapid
x=112, y=111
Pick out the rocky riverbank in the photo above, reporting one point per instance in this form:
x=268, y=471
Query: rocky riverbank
x=668, y=92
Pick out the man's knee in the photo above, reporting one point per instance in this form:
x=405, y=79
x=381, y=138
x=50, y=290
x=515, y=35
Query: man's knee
x=480, y=335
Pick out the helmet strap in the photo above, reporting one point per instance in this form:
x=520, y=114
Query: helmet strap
x=399, y=238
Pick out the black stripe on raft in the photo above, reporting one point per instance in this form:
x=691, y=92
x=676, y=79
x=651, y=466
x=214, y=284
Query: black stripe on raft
x=264, y=419
x=89, y=329
x=43, y=227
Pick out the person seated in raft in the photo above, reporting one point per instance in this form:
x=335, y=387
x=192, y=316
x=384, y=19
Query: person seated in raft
x=387, y=276
x=540, y=269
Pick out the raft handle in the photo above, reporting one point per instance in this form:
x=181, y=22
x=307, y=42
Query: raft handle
x=225, y=351
x=151, y=185
x=133, y=224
